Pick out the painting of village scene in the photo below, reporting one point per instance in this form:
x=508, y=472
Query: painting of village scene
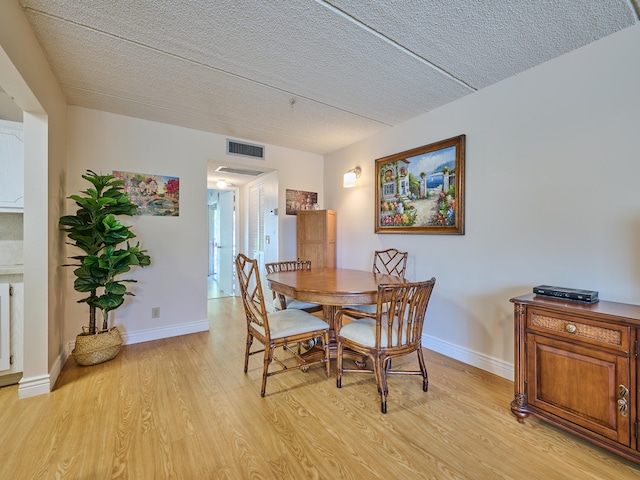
x=154, y=194
x=422, y=190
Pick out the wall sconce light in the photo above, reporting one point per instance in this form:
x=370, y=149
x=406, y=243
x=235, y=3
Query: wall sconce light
x=222, y=183
x=350, y=177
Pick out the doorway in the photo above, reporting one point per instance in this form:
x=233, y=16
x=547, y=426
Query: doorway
x=222, y=243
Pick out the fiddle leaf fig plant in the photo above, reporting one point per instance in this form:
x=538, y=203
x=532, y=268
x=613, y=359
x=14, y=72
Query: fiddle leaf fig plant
x=96, y=231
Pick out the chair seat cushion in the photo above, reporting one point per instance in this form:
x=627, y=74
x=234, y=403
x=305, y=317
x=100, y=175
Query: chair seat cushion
x=293, y=303
x=363, y=332
x=370, y=308
x=285, y=323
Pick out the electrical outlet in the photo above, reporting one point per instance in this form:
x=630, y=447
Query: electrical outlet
x=155, y=312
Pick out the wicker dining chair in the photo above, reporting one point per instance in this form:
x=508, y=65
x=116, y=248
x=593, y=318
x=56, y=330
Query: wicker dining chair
x=389, y=336
x=277, y=329
x=281, y=302
x=388, y=262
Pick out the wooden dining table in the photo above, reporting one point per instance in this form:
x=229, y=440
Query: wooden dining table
x=332, y=288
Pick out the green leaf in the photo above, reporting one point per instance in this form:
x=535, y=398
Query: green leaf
x=86, y=284
x=115, y=288
x=109, y=302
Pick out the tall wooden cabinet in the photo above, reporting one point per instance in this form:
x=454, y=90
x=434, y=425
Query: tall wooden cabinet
x=316, y=237
x=576, y=367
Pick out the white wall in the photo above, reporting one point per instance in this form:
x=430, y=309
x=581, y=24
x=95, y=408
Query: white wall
x=552, y=196
x=176, y=281
x=26, y=76
x=299, y=171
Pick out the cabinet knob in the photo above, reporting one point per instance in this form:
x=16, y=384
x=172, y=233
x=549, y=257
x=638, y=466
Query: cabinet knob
x=571, y=328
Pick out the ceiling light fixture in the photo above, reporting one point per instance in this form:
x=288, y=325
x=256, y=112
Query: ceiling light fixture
x=350, y=177
x=222, y=183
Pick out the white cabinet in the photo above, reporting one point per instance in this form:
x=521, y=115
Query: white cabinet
x=11, y=166
x=11, y=332
x=5, y=336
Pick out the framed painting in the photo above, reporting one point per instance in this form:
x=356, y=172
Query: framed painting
x=300, y=200
x=156, y=195
x=422, y=190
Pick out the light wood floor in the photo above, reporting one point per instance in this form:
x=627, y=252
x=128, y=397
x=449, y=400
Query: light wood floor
x=213, y=289
x=182, y=408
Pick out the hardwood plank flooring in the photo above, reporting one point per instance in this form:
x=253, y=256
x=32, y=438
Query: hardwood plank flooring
x=182, y=408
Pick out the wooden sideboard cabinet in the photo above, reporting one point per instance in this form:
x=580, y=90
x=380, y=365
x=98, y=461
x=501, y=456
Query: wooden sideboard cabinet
x=316, y=237
x=576, y=367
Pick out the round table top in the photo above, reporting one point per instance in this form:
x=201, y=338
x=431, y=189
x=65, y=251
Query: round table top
x=331, y=286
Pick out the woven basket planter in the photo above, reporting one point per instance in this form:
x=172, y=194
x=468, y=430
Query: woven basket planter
x=98, y=348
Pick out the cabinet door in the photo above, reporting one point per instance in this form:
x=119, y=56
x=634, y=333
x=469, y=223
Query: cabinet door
x=579, y=384
x=314, y=252
x=11, y=166
x=16, y=314
x=5, y=352
x=315, y=233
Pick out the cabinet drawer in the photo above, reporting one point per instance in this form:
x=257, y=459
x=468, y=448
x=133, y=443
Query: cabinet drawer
x=599, y=334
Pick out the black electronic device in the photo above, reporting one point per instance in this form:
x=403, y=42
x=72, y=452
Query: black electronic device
x=573, y=294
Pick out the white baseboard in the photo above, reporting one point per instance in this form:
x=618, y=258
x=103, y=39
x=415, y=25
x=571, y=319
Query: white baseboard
x=129, y=338
x=57, y=366
x=32, y=386
x=483, y=362
x=42, y=384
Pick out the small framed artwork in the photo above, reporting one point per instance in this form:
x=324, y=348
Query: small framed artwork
x=301, y=200
x=422, y=190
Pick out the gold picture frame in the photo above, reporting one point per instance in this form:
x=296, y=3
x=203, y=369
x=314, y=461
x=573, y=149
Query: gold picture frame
x=422, y=190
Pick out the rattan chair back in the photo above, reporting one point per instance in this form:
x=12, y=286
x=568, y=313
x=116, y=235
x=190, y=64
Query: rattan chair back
x=397, y=331
x=287, y=266
x=390, y=262
x=280, y=302
x=251, y=292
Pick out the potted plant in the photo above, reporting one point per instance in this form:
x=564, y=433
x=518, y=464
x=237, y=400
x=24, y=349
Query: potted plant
x=96, y=231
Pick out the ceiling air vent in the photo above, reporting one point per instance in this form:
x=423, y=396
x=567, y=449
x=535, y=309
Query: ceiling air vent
x=245, y=149
x=239, y=171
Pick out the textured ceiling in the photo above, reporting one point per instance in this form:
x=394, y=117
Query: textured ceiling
x=310, y=75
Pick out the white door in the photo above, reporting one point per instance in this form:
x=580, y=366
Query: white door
x=226, y=240
x=256, y=225
x=214, y=228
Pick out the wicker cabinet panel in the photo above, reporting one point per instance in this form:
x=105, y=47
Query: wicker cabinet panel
x=599, y=334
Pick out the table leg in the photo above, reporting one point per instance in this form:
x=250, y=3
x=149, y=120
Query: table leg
x=329, y=316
